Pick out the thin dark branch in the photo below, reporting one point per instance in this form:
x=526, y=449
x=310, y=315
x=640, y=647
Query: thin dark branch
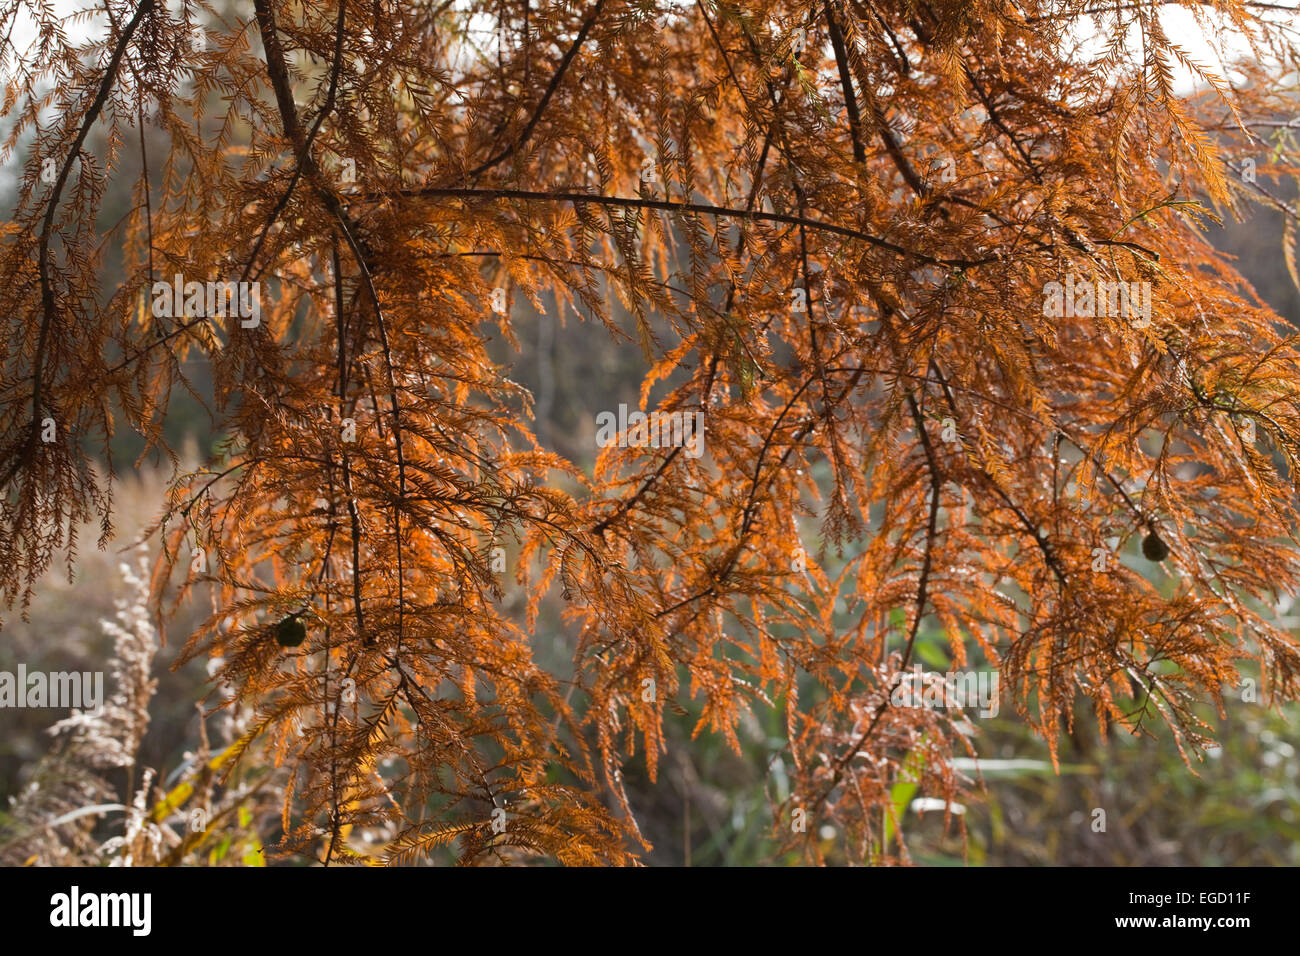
x=706, y=209
x=48, y=304
x=526, y=133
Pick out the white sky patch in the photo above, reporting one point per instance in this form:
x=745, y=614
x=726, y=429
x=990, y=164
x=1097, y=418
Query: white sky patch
x=1215, y=52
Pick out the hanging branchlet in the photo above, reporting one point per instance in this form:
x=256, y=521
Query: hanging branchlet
x=934, y=344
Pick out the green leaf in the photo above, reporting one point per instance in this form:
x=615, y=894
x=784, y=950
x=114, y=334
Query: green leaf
x=931, y=654
x=219, y=851
x=902, y=792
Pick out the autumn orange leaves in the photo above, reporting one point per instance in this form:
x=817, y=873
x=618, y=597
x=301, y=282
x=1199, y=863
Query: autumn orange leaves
x=1003, y=305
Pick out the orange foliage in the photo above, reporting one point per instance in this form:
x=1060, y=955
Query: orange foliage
x=831, y=227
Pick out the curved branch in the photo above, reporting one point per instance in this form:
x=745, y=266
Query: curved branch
x=706, y=209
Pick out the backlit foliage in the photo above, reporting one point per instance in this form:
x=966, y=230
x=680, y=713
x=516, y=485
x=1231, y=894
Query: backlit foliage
x=828, y=226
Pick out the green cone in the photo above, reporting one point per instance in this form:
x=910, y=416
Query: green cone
x=290, y=632
x=1154, y=548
